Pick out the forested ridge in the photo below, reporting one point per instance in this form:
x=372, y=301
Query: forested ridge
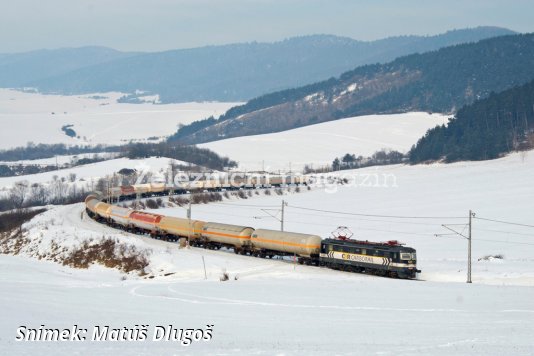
x=438, y=81
x=486, y=129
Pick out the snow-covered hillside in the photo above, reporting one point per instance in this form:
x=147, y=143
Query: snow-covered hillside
x=276, y=307
x=97, y=118
x=91, y=172
x=320, y=144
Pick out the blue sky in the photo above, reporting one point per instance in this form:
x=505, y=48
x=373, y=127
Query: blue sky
x=154, y=25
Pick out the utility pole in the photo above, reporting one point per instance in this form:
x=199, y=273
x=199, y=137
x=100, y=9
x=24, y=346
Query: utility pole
x=189, y=222
x=108, y=190
x=282, y=219
x=469, y=248
x=275, y=215
x=468, y=237
x=204, y=264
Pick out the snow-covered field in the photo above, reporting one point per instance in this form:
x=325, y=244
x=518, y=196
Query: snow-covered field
x=320, y=144
x=96, y=118
x=93, y=171
x=276, y=307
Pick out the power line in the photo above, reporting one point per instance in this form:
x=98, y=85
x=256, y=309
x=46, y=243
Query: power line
x=504, y=222
x=506, y=242
x=379, y=216
x=379, y=220
x=248, y=205
x=448, y=236
x=505, y=232
x=362, y=228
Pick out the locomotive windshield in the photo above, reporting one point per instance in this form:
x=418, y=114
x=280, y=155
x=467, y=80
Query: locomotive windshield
x=406, y=256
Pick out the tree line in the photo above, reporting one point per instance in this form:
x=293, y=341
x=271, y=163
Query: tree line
x=191, y=154
x=486, y=129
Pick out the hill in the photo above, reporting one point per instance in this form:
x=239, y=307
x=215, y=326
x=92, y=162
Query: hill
x=486, y=129
x=235, y=72
x=317, y=145
x=22, y=69
x=437, y=81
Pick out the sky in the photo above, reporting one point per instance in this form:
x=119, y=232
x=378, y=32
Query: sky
x=156, y=25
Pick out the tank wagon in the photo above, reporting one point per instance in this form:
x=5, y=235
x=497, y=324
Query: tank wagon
x=119, y=216
x=140, y=221
x=91, y=202
x=217, y=235
x=101, y=210
x=272, y=242
x=172, y=228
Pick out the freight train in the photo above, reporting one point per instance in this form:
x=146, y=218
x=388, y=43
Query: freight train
x=385, y=259
x=213, y=184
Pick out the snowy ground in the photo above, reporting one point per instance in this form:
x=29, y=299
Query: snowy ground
x=271, y=310
x=91, y=172
x=96, y=118
x=320, y=144
x=276, y=307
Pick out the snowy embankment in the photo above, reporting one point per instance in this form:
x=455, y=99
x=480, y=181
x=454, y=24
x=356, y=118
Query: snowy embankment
x=96, y=118
x=319, y=144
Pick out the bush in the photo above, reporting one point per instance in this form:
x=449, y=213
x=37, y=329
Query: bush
x=15, y=219
x=224, y=276
x=151, y=204
x=492, y=257
x=109, y=253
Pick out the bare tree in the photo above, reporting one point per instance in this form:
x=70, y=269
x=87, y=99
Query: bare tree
x=18, y=193
x=38, y=194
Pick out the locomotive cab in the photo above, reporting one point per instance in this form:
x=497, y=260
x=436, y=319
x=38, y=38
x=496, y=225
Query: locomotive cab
x=381, y=258
x=406, y=259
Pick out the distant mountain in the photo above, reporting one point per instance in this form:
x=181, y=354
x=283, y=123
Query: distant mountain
x=23, y=69
x=439, y=81
x=486, y=129
x=236, y=72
